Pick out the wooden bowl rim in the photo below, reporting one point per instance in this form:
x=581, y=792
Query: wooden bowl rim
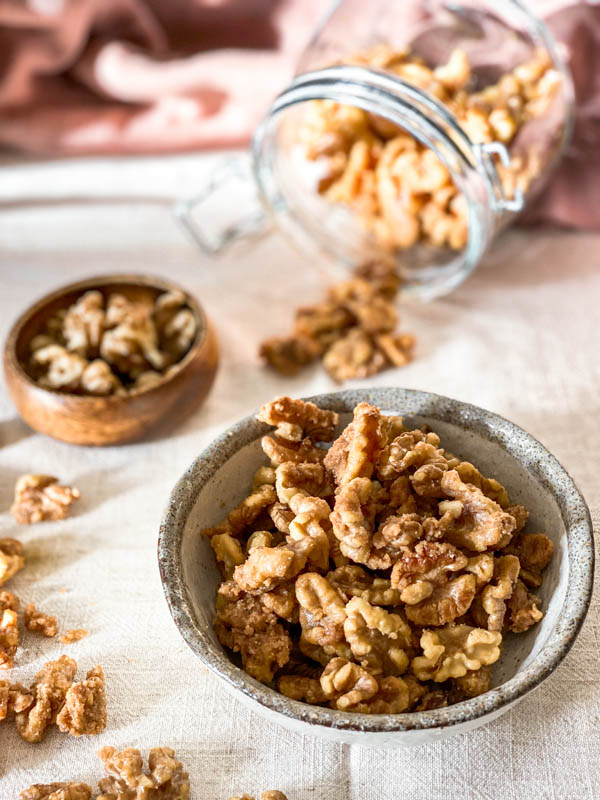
x=97, y=282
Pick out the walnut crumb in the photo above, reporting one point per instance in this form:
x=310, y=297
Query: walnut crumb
x=73, y=635
x=39, y=622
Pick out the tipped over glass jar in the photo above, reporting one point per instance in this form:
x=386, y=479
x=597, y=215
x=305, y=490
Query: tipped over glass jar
x=414, y=132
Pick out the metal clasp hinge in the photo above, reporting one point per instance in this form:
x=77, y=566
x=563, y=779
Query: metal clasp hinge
x=485, y=153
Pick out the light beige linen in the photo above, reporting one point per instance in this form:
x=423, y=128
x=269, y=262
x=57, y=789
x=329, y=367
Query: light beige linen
x=521, y=338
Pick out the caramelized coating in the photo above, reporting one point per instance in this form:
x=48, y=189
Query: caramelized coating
x=41, y=497
x=84, y=711
x=9, y=629
x=39, y=622
x=534, y=551
x=483, y=524
x=11, y=558
x=296, y=419
x=245, y=626
x=281, y=450
x=49, y=691
x=127, y=780
x=245, y=513
x=57, y=791
x=364, y=556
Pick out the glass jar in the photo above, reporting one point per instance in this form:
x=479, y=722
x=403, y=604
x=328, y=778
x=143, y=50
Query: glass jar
x=413, y=131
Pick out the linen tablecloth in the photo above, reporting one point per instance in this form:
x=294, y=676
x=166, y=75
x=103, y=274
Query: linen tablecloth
x=519, y=338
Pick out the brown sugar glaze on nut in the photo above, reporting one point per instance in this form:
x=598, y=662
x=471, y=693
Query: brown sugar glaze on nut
x=385, y=575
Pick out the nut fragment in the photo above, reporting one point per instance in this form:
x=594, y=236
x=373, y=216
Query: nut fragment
x=11, y=558
x=41, y=497
x=39, y=622
x=73, y=635
x=84, y=711
x=166, y=779
x=450, y=652
x=57, y=791
x=523, y=611
x=490, y=608
x=378, y=639
x=9, y=629
x=296, y=419
x=49, y=691
x=322, y=610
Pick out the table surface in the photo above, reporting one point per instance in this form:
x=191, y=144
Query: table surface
x=520, y=338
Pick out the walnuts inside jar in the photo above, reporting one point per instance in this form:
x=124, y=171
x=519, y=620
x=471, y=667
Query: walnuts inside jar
x=379, y=576
x=111, y=344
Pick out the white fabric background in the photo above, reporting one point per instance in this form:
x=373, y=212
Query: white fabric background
x=520, y=338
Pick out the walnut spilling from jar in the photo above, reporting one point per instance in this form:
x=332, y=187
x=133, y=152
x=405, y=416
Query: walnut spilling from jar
x=381, y=578
x=102, y=346
x=399, y=190
x=353, y=330
x=41, y=497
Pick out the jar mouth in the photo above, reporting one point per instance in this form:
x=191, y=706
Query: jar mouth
x=421, y=116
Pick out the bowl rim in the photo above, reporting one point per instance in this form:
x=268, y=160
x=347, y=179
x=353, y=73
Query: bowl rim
x=99, y=282
x=409, y=402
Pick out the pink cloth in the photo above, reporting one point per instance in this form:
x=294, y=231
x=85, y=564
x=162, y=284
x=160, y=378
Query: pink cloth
x=147, y=76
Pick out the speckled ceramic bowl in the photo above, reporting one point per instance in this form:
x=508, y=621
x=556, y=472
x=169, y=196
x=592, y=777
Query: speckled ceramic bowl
x=219, y=477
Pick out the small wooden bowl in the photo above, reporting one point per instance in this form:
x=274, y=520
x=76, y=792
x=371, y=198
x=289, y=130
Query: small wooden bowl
x=83, y=419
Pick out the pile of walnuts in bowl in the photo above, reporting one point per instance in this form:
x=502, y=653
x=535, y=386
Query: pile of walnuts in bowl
x=378, y=574
x=113, y=345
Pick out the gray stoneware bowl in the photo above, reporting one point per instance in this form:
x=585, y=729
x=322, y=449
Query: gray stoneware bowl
x=219, y=478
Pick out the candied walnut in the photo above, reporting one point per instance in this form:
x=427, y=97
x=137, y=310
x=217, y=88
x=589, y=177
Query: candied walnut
x=348, y=684
x=354, y=356
x=490, y=607
x=397, y=348
x=83, y=324
x=534, y=551
x=57, y=791
x=132, y=345
x=281, y=515
x=41, y=497
x=245, y=626
x=382, y=276
x=9, y=629
x=523, y=611
x=97, y=378
x=472, y=684
x=419, y=450
x=84, y=711
x=322, y=610
x=322, y=324
x=287, y=355
x=11, y=558
x=256, y=540
x=296, y=419
x=398, y=532
x=520, y=514
x=482, y=566
x=281, y=450
x=39, y=622
x=350, y=580
x=445, y=604
x=354, y=453
x=483, y=524
x=228, y=552
x=166, y=779
x=432, y=699
x=308, y=479
x=307, y=533
x=245, y=513
x=60, y=368
x=282, y=601
x=419, y=569
x=352, y=526
x=297, y=687
x=262, y=476
x=489, y=486
x=73, y=635
x=14, y=697
x=378, y=639
x=393, y=697
x=452, y=651
x=265, y=568
x=49, y=690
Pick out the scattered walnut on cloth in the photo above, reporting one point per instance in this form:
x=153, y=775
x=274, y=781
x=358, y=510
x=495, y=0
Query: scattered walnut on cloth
x=126, y=779
x=53, y=698
x=352, y=330
x=9, y=629
x=72, y=635
x=379, y=578
x=101, y=347
x=11, y=558
x=39, y=622
x=41, y=497
x=399, y=190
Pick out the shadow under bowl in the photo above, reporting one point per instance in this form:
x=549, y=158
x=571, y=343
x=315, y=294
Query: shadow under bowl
x=219, y=478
